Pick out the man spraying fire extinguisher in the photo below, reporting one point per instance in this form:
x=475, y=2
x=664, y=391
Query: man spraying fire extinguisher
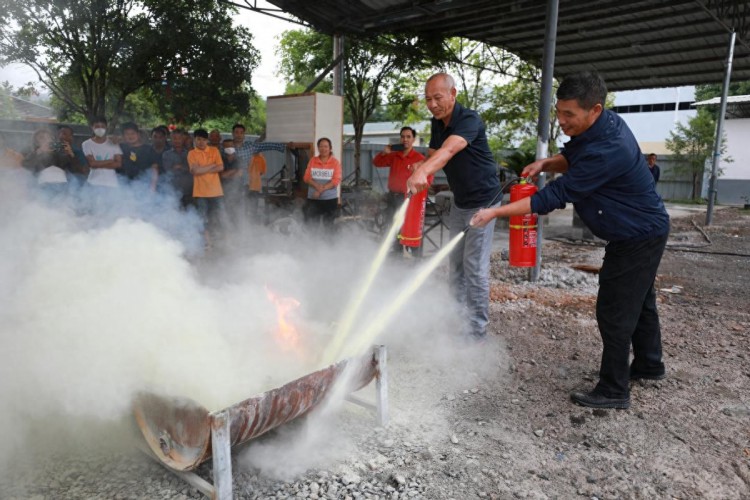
x=607, y=180
x=459, y=146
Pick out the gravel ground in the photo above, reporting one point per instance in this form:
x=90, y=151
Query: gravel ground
x=495, y=421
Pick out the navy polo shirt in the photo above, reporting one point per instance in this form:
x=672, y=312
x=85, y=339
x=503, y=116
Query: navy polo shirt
x=472, y=172
x=609, y=184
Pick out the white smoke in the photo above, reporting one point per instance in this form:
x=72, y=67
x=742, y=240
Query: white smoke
x=99, y=302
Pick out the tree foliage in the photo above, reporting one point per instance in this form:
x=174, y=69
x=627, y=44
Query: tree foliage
x=705, y=92
x=371, y=66
x=94, y=54
x=501, y=87
x=693, y=145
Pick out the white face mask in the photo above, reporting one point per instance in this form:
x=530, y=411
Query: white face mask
x=229, y=151
x=100, y=132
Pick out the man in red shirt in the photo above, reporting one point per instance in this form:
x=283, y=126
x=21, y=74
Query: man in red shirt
x=400, y=163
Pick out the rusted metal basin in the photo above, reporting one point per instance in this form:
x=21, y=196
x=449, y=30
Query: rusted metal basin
x=178, y=430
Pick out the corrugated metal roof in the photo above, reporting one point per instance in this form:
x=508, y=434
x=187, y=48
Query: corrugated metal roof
x=738, y=106
x=633, y=44
x=732, y=99
x=25, y=109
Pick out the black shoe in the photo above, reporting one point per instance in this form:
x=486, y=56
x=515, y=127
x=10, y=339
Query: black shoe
x=595, y=400
x=635, y=376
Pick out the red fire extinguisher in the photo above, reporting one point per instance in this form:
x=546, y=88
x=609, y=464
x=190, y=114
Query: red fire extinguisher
x=411, y=231
x=522, y=252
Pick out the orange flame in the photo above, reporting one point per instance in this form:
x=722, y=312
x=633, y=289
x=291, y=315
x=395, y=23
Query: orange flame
x=286, y=333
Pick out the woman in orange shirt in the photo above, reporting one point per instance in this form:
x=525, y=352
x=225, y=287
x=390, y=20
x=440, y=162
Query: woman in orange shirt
x=323, y=175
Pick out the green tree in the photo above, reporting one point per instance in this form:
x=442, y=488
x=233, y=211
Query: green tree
x=501, y=87
x=693, y=145
x=705, y=92
x=254, y=121
x=94, y=54
x=7, y=109
x=371, y=65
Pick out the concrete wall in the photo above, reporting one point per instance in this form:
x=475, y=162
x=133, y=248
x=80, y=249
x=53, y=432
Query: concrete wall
x=737, y=132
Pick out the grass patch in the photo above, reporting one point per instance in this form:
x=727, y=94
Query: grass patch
x=699, y=201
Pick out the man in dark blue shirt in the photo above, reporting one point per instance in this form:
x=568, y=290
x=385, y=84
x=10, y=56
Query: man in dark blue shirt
x=653, y=167
x=459, y=146
x=138, y=159
x=611, y=188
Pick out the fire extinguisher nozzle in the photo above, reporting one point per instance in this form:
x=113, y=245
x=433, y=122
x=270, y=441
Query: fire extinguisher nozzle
x=466, y=229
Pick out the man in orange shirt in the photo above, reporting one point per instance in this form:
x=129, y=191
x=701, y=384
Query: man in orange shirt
x=205, y=164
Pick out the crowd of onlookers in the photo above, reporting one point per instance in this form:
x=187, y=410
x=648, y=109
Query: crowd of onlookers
x=202, y=169
x=219, y=177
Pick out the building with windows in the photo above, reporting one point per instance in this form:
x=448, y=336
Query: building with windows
x=653, y=113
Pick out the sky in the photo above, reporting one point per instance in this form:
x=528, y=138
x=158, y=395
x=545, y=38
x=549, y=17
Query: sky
x=265, y=30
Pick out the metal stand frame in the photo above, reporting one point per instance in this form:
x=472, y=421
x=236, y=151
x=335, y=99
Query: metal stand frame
x=221, y=453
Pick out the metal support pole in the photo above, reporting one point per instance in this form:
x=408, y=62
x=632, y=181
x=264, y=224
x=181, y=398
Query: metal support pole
x=381, y=385
x=719, y=130
x=222, y=455
x=545, y=104
x=338, y=70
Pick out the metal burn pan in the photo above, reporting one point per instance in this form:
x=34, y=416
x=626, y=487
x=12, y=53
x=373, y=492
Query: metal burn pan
x=182, y=434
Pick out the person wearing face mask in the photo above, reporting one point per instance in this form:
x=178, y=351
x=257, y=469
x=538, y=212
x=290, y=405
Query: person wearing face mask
x=103, y=156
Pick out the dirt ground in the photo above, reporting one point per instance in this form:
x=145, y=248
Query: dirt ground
x=684, y=437
x=510, y=431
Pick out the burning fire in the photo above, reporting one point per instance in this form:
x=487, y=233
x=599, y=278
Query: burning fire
x=286, y=333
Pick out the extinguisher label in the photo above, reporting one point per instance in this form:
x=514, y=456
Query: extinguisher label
x=529, y=238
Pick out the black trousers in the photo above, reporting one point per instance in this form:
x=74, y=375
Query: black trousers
x=321, y=212
x=626, y=314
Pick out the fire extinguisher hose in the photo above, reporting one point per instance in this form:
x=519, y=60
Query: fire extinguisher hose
x=494, y=200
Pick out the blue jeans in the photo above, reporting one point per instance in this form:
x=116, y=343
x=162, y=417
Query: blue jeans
x=470, y=268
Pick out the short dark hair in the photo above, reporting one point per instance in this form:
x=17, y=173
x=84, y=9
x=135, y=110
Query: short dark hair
x=128, y=126
x=161, y=129
x=238, y=125
x=201, y=132
x=413, y=132
x=65, y=127
x=180, y=131
x=330, y=144
x=98, y=119
x=650, y=155
x=586, y=87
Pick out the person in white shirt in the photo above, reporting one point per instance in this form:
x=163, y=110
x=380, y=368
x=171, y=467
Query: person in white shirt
x=102, y=155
